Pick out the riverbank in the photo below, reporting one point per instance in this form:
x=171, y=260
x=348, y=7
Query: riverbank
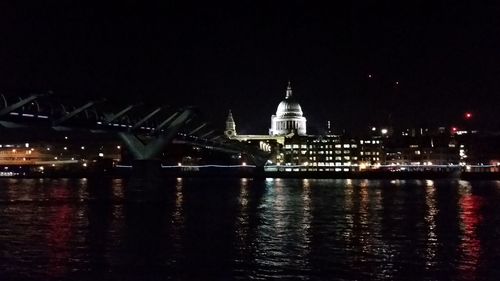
x=256, y=173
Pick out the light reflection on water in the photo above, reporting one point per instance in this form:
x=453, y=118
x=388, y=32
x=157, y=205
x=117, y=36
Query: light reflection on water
x=301, y=229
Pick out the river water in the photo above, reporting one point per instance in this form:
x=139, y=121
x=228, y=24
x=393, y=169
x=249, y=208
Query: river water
x=244, y=229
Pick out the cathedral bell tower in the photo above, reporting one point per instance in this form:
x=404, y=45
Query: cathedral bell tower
x=230, y=131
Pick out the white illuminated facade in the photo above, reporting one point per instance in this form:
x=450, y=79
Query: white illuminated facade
x=289, y=117
x=265, y=141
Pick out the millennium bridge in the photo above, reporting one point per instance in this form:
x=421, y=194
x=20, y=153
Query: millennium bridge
x=145, y=131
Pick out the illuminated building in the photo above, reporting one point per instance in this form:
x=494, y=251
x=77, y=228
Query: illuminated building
x=371, y=151
x=289, y=117
x=319, y=153
x=422, y=150
x=292, y=149
x=264, y=142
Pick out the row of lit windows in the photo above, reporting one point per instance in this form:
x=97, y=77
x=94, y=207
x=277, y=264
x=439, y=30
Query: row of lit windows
x=371, y=158
x=289, y=146
x=288, y=150
x=321, y=170
x=325, y=140
x=331, y=164
x=369, y=142
x=369, y=153
x=329, y=152
x=337, y=158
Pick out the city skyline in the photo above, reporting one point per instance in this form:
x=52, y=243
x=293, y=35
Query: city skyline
x=353, y=64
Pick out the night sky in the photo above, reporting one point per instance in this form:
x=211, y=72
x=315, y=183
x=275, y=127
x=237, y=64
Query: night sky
x=445, y=56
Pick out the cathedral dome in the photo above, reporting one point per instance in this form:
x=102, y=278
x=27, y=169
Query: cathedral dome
x=289, y=117
x=289, y=108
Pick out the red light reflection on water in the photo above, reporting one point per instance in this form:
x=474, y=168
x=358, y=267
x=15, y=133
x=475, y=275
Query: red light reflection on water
x=471, y=245
x=59, y=234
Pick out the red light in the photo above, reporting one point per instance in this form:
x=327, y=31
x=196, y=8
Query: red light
x=468, y=115
x=454, y=129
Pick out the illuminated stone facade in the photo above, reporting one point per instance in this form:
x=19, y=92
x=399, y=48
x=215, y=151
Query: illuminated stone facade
x=289, y=117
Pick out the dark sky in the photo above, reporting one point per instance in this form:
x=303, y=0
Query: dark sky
x=444, y=54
